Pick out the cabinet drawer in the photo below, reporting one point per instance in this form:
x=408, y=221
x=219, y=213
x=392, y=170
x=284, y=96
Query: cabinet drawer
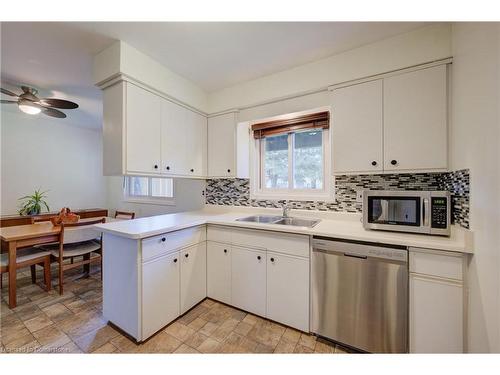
x=428, y=262
x=293, y=244
x=219, y=234
x=163, y=244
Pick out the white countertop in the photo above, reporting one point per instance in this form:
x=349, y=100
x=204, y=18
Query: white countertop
x=345, y=226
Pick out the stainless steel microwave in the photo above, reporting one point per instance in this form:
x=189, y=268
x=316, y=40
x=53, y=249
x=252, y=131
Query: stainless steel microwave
x=407, y=211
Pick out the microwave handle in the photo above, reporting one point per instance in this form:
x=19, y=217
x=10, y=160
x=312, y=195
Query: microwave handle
x=425, y=212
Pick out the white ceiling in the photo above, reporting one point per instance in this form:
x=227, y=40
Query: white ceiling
x=57, y=57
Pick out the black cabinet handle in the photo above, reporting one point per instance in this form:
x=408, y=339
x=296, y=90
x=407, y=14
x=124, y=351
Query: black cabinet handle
x=272, y=259
x=374, y=163
x=175, y=260
x=258, y=257
x=187, y=255
x=192, y=170
x=228, y=171
x=163, y=239
x=156, y=166
x=225, y=250
x=394, y=162
x=168, y=167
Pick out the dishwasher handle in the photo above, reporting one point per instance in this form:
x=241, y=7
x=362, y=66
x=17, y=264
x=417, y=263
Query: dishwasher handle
x=356, y=256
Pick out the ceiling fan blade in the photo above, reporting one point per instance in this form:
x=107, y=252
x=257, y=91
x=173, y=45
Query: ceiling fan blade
x=8, y=101
x=7, y=92
x=53, y=112
x=58, y=103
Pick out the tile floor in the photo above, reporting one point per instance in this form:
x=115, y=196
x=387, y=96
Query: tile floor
x=73, y=323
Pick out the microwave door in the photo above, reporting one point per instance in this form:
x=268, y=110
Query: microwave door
x=384, y=211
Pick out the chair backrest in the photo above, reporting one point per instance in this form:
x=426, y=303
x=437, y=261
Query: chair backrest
x=85, y=231
x=124, y=215
x=40, y=219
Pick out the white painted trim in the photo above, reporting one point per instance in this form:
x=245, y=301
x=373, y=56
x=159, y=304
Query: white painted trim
x=391, y=73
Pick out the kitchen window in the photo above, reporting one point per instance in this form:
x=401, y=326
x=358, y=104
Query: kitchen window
x=151, y=190
x=291, y=161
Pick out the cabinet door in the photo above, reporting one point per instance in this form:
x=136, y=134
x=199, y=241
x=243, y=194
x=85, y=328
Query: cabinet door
x=415, y=120
x=173, y=138
x=288, y=290
x=357, y=128
x=221, y=145
x=219, y=271
x=248, y=279
x=436, y=315
x=160, y=293
x=196, y=144
x=193, y=275
x=143, y=124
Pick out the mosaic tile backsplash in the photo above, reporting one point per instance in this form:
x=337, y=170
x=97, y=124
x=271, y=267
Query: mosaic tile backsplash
x=236, y=192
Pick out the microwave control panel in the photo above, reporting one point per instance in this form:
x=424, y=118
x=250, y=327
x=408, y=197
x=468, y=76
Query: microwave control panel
x=439, y=212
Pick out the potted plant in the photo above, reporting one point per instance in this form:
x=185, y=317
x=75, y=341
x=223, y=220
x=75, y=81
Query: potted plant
x=32, y=204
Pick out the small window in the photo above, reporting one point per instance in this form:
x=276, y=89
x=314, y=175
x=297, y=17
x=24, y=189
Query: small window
x=149, y=190
x=291, y=164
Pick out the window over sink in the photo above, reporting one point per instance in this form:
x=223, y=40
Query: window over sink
x=153, y=190
x=291, y=160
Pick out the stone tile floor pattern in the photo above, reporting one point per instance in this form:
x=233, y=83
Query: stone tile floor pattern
x=73, y=323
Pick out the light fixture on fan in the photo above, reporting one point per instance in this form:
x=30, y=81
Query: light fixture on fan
x=27, y=107
x=29, y=103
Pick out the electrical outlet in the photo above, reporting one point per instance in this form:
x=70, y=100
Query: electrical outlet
x=359, y=196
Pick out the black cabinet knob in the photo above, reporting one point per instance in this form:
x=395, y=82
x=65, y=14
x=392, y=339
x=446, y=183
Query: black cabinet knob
x=272, y=259
x=394, y=162
x=175, y=260
x=228, y=171
x=156, y=166
x=192, y=170
x=374, y=163
x=225, y=250
x=187, y=255
x=168, y=168
x=258, y=257
x=163, y=239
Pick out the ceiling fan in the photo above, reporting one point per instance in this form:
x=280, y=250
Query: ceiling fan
x=29, y=103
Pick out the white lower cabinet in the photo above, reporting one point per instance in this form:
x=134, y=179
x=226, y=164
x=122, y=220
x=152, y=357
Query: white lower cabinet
x=288, y=290
x=437, y=301
x=219, y=271
x=248, y=280
x=193, y=276
x=160, y=292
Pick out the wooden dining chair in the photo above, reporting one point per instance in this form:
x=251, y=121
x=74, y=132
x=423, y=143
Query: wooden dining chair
x=88, y=244
x=32, y=257
x=124, y=215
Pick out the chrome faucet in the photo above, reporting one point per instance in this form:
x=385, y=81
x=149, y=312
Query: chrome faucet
x=286, y=208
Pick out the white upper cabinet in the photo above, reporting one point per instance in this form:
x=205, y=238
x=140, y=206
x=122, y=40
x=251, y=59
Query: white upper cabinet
x=415, y=120
x=398, y=123
x=357, y=128
x=143, y=113
x=196, y=144
x=222, y=145
x=172, y=139
x=149, y=135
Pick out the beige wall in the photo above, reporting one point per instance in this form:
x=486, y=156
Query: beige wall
x=475, y=140
x=51, y=154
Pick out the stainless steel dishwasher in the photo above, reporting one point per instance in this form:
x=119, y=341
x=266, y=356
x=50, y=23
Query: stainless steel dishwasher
x=360, y=294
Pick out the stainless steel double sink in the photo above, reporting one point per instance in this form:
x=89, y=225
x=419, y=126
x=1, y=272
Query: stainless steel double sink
x=280, y=220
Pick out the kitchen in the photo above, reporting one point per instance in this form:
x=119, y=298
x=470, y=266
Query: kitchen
x=341, y=204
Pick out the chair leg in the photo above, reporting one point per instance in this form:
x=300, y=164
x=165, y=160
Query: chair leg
x=46, y=274
x=60, y=276
x=86, y=267
x=33, y=274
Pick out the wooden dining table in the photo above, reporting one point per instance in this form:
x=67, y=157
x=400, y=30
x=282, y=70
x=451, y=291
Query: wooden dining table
x=21, y=236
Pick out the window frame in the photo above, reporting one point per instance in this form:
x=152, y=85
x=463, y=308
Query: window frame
x=257, y=170
x=147, y=199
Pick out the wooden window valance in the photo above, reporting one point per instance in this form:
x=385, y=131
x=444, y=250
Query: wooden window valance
x=288, y=125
